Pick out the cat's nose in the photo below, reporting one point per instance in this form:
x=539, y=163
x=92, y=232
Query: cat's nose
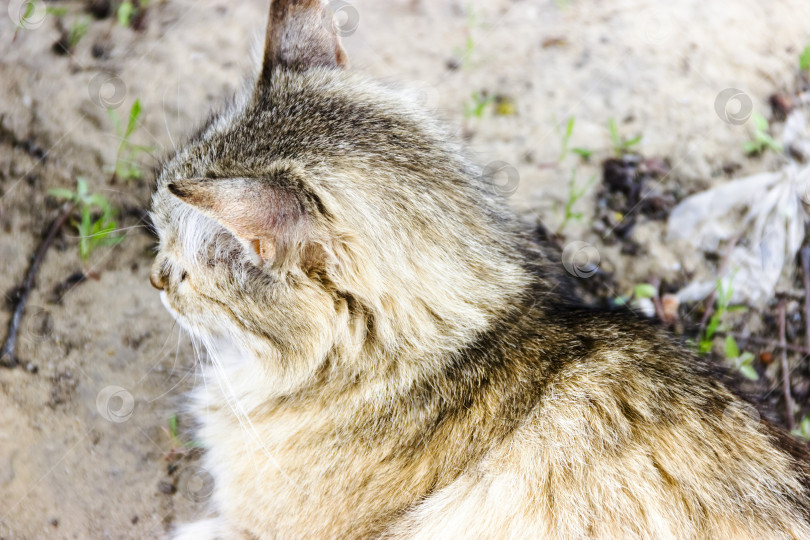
x=158, y=276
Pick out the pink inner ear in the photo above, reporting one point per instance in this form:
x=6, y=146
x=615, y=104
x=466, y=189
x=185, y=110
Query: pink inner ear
x=269, y=218
x=273, y=220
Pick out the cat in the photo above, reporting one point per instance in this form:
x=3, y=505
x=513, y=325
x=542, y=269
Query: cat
x=393, y=356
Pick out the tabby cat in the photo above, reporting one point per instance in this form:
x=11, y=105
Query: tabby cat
x=391, y=355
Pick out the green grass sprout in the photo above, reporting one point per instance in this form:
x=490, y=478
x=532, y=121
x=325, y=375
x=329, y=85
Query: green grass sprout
x=621, y=145
x=96, y=223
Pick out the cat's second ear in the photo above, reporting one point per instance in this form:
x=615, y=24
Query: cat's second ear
x=300, y=35
x=272, y=221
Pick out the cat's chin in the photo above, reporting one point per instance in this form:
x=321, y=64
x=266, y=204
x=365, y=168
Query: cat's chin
x=176, y=315
x=164, y=299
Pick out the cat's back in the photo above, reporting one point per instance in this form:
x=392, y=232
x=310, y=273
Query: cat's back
x=629, y=437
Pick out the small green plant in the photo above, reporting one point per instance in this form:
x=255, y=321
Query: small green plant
x=124, y=13
x=96, y=224
x=77, y=31
x=762, y=140
x=30, y=11
x=742, y=361
x=128, y=11
x=477, y=105
x=30, y=8
x=466, y=53
x=566, y=138
x=178, y=447
x=126, y=167
x=803, y=428
x=804, y=59
x=723, y=293
x=642, y=291
x=621, y=145
x=575, y=193
x=584, y=153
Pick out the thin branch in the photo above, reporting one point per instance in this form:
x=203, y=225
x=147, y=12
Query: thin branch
x=785, y=369
x=806, y=276
x=768, y=343
x=8, y=357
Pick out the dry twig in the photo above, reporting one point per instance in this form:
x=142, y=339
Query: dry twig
x=7, y=353
x=785, y=369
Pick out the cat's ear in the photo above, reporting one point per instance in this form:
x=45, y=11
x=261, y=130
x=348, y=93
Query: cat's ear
x=270, y=220
x=300, y=35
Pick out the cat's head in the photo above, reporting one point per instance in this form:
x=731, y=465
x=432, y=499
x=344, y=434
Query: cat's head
x=324, y=220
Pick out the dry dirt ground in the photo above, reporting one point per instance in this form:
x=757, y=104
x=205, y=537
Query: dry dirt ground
x=86, y=450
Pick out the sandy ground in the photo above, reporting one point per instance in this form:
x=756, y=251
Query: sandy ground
x=85, y=450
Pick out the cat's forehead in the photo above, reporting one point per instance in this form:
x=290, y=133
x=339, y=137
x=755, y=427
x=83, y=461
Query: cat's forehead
x=310, y=117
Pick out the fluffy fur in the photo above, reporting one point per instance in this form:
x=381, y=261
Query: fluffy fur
x=391, y=354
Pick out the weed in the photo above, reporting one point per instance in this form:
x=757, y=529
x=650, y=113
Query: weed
x=125, y=165
x=77, y=31
x=742, y=361
x=178, y=447
x=30, y=8
x=566, y=138
x=762, y=140
x=128, y=11
x=466, y=53
x=574, y=195
x=477, y=105
x=55, y=11
x=804, y=59
x=584, y=153
x=803, y=429
x=96, y=224
x=30, y=11
x=621, y=145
